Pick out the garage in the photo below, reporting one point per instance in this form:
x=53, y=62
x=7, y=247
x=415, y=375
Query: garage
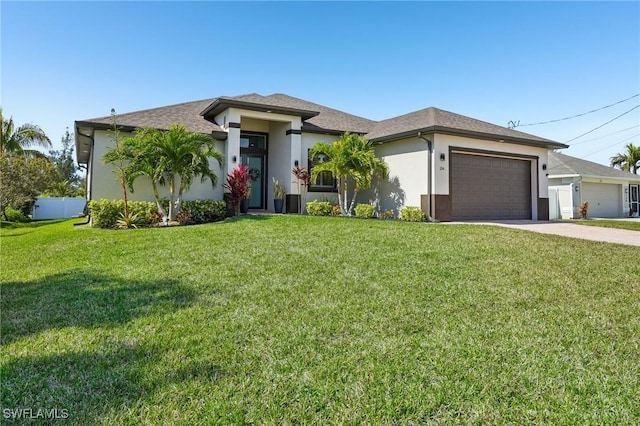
x=604, y=199
x=486, y=187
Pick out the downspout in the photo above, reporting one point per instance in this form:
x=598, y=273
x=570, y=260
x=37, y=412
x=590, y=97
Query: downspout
x=429, y=168
x=89, y=184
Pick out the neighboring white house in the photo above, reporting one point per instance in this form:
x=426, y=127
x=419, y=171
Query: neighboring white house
x=610, y=192
x=476, y=170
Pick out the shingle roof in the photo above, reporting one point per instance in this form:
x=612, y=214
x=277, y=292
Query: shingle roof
x=561, y=164
x=187, y=113
x=317, y=118
x=434, y=119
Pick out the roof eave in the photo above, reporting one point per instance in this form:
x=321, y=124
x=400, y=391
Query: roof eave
x=472, y=134
x=220, y=105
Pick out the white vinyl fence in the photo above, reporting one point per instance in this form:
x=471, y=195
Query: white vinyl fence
x=57, y=208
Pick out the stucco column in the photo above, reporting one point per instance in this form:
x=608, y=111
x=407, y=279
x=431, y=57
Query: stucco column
x=232, y=147
x=295, y=143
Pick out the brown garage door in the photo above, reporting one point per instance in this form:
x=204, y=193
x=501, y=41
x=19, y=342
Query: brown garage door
x=490, y=187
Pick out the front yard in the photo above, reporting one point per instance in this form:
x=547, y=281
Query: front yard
x=310, y=320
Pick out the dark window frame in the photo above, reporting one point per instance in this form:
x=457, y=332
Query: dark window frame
x=321, y=188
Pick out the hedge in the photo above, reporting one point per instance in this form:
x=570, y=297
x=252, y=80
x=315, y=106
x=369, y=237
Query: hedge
x=106, y=213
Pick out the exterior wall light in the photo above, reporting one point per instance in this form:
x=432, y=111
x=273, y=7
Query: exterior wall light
x=234, y=159
x=577, y=188
x=544, y=167
x=442, y=156
x=296, y=163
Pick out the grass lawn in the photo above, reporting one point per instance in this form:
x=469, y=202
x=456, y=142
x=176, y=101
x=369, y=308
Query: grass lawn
x=618, y=224
x=303, y=320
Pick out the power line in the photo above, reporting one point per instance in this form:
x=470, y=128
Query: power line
x=602, y=125
x=609, y=146
x=604, y=136
x=513, y=124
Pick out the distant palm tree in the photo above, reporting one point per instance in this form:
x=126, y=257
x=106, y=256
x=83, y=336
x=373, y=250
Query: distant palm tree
x=628, y=161
x=20, y=140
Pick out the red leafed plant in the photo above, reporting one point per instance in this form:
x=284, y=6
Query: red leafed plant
x=301, y=174
x=238, y=186
x=302, y=179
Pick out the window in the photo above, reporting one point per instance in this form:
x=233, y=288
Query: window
x=325, y=181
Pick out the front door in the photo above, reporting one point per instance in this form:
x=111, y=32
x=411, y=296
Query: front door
x=634, y=198
x=253, y=153
x=256, y=173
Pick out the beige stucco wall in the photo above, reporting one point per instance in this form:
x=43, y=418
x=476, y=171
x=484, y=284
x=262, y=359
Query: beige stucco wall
x=105, y=185
x=407, y=161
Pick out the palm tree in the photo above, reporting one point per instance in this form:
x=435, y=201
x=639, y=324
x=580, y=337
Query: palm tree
x=20, y=140
x=628, y=161
x=174, y=157
x=147, y=161
x=352, y=160
x=121, y=156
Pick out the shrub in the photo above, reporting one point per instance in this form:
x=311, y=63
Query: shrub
x=319, y=208
x=583, y=209
x=386, y=215
x=184, y=217
x=14, y=215
x=205, y=211
x=107, y=213
x=365, y=210
x=155, y=218
x=412, y=214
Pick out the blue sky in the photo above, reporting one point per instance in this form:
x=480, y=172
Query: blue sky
x=494, y=61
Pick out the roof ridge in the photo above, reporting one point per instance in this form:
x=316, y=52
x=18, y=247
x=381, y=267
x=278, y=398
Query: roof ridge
x=321, y=106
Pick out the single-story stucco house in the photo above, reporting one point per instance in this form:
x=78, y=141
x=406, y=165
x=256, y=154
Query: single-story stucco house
x=610, y=192
x=454, y=167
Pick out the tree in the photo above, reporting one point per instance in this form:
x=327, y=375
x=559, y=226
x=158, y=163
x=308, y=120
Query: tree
x=22, y=179
x=20, y=140
x=64, y=164
x=353, y=163
x=147, y=161
x=174, y=158
x=120, y=155
x=628, y=161
x=185, y=156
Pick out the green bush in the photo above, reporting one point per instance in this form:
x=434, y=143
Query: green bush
x=412, y=214
x=106, y=213
x=205, y=211
x=319, y=208
x=14, y=215
x=365, y=210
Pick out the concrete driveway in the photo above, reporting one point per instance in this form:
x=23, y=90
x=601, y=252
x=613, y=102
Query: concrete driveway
x=593, y=233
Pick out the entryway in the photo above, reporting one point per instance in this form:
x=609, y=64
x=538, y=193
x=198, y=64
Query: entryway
x=253, y=153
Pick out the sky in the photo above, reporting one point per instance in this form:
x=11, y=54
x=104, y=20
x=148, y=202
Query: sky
x=501, y=62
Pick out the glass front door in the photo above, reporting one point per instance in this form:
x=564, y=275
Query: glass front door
x=253, y=153
x=634, y=198
x=256, y=173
